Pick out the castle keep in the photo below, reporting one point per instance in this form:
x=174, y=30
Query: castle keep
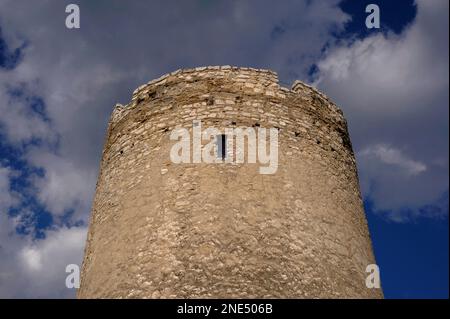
x=161, y=229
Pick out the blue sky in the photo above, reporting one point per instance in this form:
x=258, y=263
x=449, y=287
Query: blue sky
x=58, y=87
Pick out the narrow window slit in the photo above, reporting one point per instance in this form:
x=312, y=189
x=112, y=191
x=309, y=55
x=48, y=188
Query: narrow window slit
x=222, y=146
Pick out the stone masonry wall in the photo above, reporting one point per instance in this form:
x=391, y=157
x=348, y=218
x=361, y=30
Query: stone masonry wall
x=165, y=230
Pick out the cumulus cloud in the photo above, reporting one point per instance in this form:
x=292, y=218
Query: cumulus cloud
x=19, y=122
x=394, y=92
x=44, y=262
x=64, y=187
x=385, y=172
x=29, y=267
x=36, y=268
x=393, y=157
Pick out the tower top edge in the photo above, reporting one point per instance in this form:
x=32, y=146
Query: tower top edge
x=297, y=87
x=274, y=75
x=160, y=80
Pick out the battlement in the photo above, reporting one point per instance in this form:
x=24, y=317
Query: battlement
x=241, y=73
x=204, y=82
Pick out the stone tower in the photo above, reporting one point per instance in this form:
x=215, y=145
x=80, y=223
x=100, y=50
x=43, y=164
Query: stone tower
x=161, y=229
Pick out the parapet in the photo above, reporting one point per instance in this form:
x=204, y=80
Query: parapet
x=205, y=72
x=241, y=80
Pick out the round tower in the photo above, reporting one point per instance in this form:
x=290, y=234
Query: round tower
x=161, y=228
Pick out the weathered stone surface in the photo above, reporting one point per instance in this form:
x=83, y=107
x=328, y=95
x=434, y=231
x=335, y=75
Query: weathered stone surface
x=163, y=230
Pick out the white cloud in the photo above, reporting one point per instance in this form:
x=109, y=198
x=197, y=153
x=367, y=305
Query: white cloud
x=32, y=259
x=64, y=186
x=36, y=268
x=44, y=262
x=391, y=156
x=389, y=177
x=393, y=90
x=17, y=120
